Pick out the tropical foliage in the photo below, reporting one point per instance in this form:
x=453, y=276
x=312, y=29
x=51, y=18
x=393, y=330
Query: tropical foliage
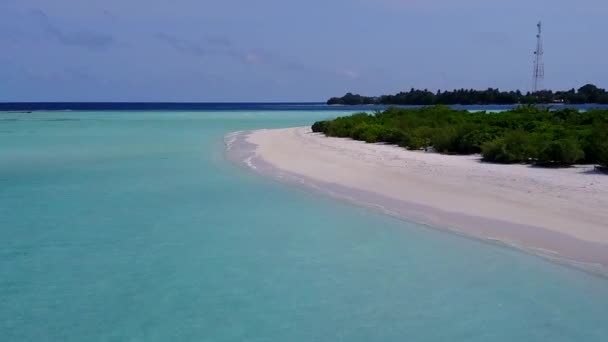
x=586, y=94
x=523, y=135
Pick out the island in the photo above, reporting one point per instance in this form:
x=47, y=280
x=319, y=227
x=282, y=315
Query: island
x=588, y=93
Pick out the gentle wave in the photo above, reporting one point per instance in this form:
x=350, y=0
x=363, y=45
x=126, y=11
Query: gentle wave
x=248, y=161
x=231, y=138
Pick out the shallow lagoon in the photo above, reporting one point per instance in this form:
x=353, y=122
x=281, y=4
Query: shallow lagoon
x=134, y=226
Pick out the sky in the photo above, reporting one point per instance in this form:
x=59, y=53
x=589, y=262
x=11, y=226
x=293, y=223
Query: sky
x=283, y=50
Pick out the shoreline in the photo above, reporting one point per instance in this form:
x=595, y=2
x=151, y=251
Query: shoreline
x=559, y=214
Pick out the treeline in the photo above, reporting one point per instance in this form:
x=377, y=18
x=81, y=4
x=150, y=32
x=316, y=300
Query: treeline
x=523, y=135
x=586, y=94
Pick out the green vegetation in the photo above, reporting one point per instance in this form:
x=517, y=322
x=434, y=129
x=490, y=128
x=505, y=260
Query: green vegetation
x=586, y=94
x=523, y=135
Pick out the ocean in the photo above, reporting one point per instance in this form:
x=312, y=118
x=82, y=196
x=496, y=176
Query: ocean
x=134, y=226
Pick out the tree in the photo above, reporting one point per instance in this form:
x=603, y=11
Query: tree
x=588, y=93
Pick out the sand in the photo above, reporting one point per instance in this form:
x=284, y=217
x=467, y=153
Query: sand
x=558, y=213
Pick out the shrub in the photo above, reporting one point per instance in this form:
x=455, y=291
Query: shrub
x=603, y=154
x=494, y=151
x=320, y=126
x=343, y=127
x=514, y=147
x=369, y=133
x=394, y=136
x=471, y=141
x=595, y=142
x=421, y=138
x=561, y=152
x=444, y=139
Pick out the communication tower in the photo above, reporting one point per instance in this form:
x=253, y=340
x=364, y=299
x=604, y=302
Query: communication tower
x=539, y=65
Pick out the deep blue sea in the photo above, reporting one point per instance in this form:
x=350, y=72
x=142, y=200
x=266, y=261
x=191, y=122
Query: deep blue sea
x=133, y=226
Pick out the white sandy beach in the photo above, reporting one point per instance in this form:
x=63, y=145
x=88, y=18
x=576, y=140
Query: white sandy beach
x=559, y=212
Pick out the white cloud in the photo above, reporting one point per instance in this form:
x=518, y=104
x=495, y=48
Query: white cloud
x=346, y=73
x=252, y=58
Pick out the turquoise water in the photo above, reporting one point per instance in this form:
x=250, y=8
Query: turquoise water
x=134, y=227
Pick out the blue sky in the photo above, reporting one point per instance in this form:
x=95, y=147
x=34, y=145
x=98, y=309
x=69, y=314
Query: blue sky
x=281, y=50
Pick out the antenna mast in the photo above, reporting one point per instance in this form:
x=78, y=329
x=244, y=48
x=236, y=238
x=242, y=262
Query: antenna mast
x=539, y=65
